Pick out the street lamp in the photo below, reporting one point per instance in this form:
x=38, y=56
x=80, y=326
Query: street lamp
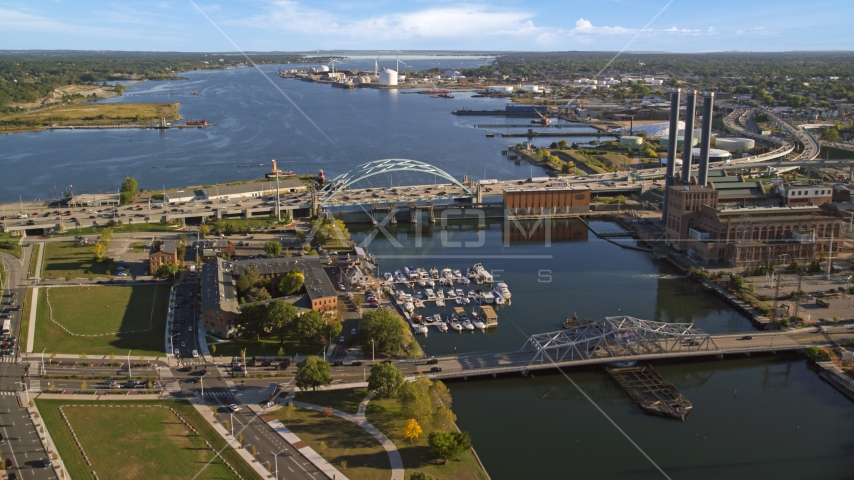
x=232, y=424
x=130, y=374
x=276, y=461
x=43, y=370
x=372, y=351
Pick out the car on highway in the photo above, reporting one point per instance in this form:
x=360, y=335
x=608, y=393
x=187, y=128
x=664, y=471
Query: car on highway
x=341, y=339
x=189, y=329
x=432, y=361
x=353, y=331
x=746, y=337
x=435, y=369
x=234, y=407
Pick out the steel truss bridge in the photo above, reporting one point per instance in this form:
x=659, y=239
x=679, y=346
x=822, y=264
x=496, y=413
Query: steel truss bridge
x=617, y=339
x=378, y=167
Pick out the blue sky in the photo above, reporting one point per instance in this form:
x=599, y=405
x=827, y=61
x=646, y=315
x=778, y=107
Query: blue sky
x=290, y=25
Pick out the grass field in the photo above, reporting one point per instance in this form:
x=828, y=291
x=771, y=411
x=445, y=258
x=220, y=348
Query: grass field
x=10, y=244
x=92, y=114
x=387, y=415
x=138, y=247
x=139, y=443
x=63, y=259
x=25, y=317
x=34, y=257
x=266, y=347
x=98, y=310
x=345, y=442
x=345, y=400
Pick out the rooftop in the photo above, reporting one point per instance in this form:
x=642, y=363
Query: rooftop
x=245, y=188
x=317, y=282
x=218, y=290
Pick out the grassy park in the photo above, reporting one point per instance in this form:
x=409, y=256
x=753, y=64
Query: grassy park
x=347, y=400
x=67, y=259
x=348, y=447
x=104, y=319
x=90, y=114
x=10, y=244
x=264, y=347
x=127, y=227
x=125, y=441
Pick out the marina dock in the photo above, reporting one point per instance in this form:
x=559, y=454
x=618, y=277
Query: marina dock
x=652, y=392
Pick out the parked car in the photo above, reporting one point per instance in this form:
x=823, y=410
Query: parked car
x=234, y=407
x=435, y=369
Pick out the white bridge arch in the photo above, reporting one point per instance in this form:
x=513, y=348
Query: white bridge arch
x=378, y=167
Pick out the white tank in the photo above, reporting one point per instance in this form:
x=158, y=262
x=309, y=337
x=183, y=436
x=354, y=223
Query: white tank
x=735, y=144
x=324, y=68
x=401, y=78
x=388, y=77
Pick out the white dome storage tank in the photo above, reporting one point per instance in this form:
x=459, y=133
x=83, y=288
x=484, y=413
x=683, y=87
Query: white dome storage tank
x=531, y=88
x=735, y=144
x=715, y=155
x=388, y=77
x=629, y=141
x=501, y=89
x=324, y=68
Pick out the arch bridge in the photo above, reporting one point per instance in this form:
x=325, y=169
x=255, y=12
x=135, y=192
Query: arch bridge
x=378, y=167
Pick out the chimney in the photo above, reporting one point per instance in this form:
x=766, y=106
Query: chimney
x=691, y=104
x=706, y=139
x=671, y=149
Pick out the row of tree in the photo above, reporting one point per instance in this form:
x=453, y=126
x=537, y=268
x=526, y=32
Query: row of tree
x=282, y=319
x=252, y=287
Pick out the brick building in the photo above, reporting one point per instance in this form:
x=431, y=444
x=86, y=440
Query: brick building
x=318, y=286
x=219, y=298
x=742, y=236
x=162, y=253
x=546, y=200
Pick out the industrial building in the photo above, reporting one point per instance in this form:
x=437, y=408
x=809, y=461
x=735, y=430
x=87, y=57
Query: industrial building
x=554, y=200
x=714, y=155
x=93, y=200
x=711, y=233
x=249, y=190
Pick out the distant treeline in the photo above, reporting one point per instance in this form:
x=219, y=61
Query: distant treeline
x=30, y=75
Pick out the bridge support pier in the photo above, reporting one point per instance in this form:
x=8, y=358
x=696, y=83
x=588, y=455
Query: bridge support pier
x=720, y=356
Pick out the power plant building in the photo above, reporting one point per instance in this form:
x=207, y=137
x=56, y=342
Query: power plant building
x=546, y=200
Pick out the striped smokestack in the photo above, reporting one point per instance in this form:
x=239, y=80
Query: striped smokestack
x=706, y=139
x=690, y=106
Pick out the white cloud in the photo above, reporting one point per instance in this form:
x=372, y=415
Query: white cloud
x=754, y=31
x=20, y=21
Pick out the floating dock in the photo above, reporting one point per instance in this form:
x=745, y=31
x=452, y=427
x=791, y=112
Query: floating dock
x=652, y=392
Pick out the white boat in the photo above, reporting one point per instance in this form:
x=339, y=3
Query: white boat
x=471, y=294
x=465, y=281
x=487, y=277
x=457, y=274
x=500, y=301
x=434, y=273
x=409, y=307
x=460, y=292
x=467, y=325
x=487, y=297
x=422, y=283
x=431, y=283
x=422, y=329
x=466, y=300
x=447, y=273
x=440, y=302
x=388, y=277
x=399, y=276
x=451, y=293
x=440, y=293
x=478, y=324
x=459, y=301
x=418, y=294
x=431, y=295
x=503, y=290
x=419, y=304
x=443, y=327
x=456, y=326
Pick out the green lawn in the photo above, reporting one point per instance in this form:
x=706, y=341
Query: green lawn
x=138, y=247
x=103, y=311
x=387, y=415
x=10, y=244
x=345, y=400
x=266, y=347
x=34, y=257
x=125, y=441
x=25, y=317
x=62, y=259
x=345, y=442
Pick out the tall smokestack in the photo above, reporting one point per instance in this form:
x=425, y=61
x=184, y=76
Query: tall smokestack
x=690, y=106
x=671, y=149
x=706, y=139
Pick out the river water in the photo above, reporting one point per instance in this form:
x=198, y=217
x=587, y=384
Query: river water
x=337, y=130
x=759, y=417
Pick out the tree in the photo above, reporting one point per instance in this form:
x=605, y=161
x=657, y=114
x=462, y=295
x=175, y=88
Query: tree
x=310, y=327
x=99, y=250
x=415, y=399
x=128, y=191
x=412, y=430
x=737, y=282
x=443, y=445
x=386, y=329
x=386, y=380
x=249, y=279
x=444, y=418
x=252, y=320
x=273, y=248
x=291, y=282
x=204, y=230
x=312, y=372
x=257, y=294
x=166, y=270
x=279, y=318
x=441, y=394
x=421, y=476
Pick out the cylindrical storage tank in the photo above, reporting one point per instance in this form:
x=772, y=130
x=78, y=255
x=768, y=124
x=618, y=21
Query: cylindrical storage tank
x=388, y=77
x=324, y=68
x=531, y=88
x=715, y=155
x=401, y=78
x=501, y=89
x=735, y=144
x=680, y=139
x=629, y=141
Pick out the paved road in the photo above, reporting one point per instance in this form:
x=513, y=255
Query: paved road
x=22, y=444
